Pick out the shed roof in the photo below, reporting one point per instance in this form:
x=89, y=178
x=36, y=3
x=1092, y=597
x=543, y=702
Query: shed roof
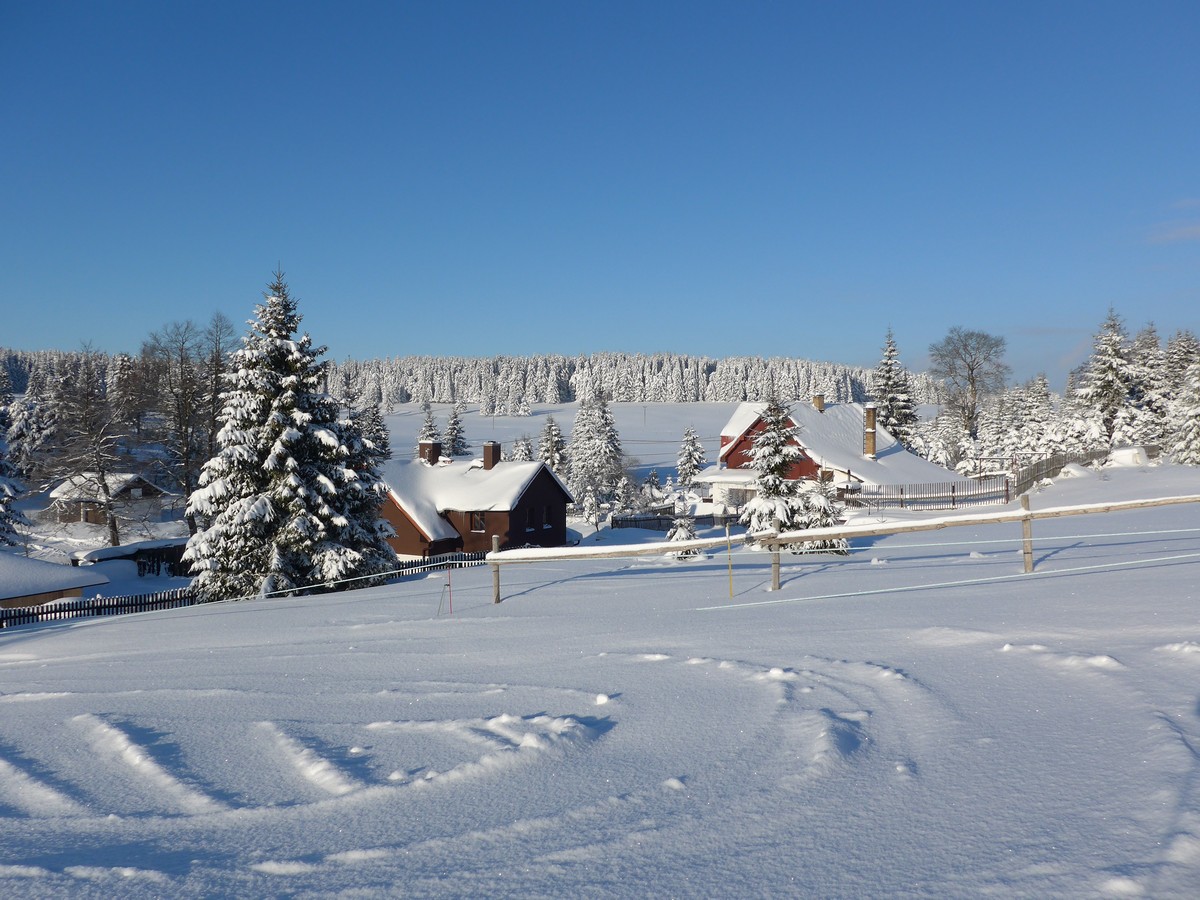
x=21, y=576
x=84, y=486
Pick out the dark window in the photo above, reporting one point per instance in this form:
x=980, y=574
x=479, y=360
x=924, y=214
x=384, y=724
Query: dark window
x=478, y=522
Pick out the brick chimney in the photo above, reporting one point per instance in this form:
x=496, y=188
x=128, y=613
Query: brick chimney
x=819, y=402
x=869, y=431
x=430, y=451
x=491, y=455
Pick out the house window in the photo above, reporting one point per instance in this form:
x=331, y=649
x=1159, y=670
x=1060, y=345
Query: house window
x=548, y=517
x=478, y=522
x=531, y=517
x=135, y=493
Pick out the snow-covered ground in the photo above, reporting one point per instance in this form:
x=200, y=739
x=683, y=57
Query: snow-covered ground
x=916, y=719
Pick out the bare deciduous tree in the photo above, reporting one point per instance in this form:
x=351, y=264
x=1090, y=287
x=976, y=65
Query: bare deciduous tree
x=972, y=365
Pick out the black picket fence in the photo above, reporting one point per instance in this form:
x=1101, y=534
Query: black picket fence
x=442, y=561
x=664, y=523
x=97, y=606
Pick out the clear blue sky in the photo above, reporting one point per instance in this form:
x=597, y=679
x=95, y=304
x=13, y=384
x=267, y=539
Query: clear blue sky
x=481, y=178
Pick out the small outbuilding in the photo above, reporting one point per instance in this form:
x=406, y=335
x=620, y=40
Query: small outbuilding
x=438, y=505
x=32, y=582
x=78, y=499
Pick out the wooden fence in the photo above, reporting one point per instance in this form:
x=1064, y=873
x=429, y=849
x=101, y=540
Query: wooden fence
x=97, y=606
x=775, y=541
x=1025, y=478
x=936, y=495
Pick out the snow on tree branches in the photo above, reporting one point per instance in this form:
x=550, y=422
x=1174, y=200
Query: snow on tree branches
x=291, y=500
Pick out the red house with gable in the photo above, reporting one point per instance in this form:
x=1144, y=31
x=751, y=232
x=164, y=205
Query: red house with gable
x=439, y=505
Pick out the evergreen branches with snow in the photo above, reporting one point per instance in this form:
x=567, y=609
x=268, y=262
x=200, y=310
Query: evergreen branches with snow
x=691, y=458
x=291, y=500
x=891, y=389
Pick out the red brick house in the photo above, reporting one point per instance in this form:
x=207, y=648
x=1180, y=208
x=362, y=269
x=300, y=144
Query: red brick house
x=438, y=505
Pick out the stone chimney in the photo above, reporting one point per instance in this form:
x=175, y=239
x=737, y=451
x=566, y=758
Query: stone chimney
x=869, y=431
x=429, y=451
x=491, y=455
x=819, y=402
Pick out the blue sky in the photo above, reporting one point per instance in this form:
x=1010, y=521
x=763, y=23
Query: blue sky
x=513, y=178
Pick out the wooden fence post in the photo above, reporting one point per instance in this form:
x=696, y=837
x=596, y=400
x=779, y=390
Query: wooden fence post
x=495, y=570
x=1027, y=535
x=775, y=558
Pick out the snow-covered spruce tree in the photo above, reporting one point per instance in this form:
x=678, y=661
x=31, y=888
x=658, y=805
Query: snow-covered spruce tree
x=291, y=500
x=552, y=447
x=683, y=529
x=1144, y=420
x=596, y=461
x=820, y=509
x=10, y=486
x=369, y=419
x=1108, y=381
x=1185, y=413
x=1183, y=349
x=775, y=504
x=454, y=441
x=429, y=429
x=691, y=458
x=891, y=389
x=522, y=449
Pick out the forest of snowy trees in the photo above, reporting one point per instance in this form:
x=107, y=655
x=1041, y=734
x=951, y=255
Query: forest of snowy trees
x=159, y=412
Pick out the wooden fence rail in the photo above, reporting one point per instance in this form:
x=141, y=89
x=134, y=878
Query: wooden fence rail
x=775, y=541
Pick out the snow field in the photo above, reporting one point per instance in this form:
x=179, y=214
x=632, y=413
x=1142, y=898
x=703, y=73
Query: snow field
x=623, y=728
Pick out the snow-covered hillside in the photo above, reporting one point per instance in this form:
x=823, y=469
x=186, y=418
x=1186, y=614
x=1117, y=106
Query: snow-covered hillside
x=628, y=728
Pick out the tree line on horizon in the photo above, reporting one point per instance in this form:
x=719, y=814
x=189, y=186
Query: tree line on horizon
x=196, y=395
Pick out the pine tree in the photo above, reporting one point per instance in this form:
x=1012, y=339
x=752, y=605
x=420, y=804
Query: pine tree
x=1185, y=436
x=1183, y=349
x=370, y=422
x=683, y=529
x=1108, y=381
x=774, y=451
x=691, y=458
x=10, y=486
x=522, y=449
x=891, y=389
x=291, y=500
x=429, y=429
x=454, y=442
x=552, y=448
x=820, y=509
x=596, y=469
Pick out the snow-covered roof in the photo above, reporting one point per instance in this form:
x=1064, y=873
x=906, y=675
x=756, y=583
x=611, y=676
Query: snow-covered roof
x=834, y=439
x=126, y=550
x=84, y=485
x=424, y=492
x=21, y=576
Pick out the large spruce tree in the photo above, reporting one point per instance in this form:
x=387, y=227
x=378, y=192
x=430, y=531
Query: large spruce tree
x=291, y=500
x=891, y=388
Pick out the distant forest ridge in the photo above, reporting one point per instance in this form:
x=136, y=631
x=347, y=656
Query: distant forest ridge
x=509, y=384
